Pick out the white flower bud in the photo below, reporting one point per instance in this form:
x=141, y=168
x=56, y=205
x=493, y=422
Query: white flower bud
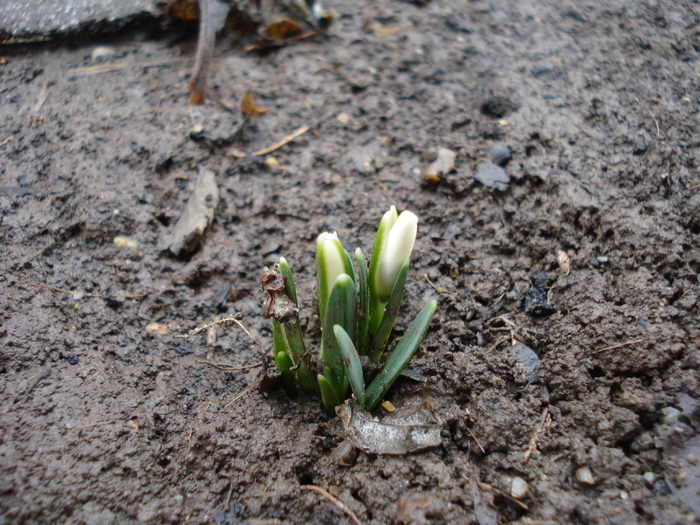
x=402, y=237
x=331, y=261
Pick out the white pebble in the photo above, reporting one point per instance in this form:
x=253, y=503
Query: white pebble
x=584, y=475
x=669, y=415
x=518, y=487
x=649, y=477
x=102, y=51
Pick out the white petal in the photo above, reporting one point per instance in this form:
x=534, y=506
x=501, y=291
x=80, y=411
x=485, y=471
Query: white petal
x=399, y=246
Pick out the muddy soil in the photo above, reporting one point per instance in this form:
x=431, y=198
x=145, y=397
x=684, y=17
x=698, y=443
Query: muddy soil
x=588, y=256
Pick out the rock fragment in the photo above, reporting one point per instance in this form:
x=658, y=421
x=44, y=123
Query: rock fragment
x=492, y=176
x=196, y=217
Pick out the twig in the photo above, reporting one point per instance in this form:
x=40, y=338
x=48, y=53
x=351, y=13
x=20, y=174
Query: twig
x=43, y=95
x=239, y=396
x=475, y=440
x=229, y=367
x=231, y=319
x=486, y=486
x=545, y=423
x=205, y=51
x=335, y=501
x=437, y=288
x=282, y=142
x=94, y=70
x=656, y=122
x=108, y=68
x=616, y=347
x=91, y=425
x=84, y=294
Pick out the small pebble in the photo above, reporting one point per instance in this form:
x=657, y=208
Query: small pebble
x=443, y=164
x=692, y=459
x=307, y=161
x=649, y=478
x=669, y=415
x=127, y=243
x=102, y=51
x=388, y=406
x=518, y=487
x=584, y=475
x=500, y=154
x=527, y=357
x=492, y=176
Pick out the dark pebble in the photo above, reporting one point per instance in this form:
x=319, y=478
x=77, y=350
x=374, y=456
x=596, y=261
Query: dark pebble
x=527, y=357
x=500, y=154
x=492, y=176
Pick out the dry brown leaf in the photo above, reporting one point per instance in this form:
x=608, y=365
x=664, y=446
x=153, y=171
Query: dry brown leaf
x=249, y=108
x=282, y=29
x=182, y=10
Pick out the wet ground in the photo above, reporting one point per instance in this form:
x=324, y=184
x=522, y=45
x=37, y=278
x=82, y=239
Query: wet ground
x=586, y=253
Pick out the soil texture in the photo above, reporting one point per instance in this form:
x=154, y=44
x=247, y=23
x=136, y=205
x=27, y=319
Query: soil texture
x=562, y=249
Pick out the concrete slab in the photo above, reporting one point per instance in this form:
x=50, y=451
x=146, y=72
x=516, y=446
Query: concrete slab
x=35, y=19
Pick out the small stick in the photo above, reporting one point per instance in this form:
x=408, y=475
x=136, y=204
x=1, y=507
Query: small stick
x=43, y=95
x=231, y=319
x=91, y=425
x=203, y=56
x=486, y=486
x=656, y=122
x=229, y=367
x=437, y=288
x=284, y=141
x=476, y=440
x=84, y=294
x=239, y=396
x=545, y=423
x=616, y=347
x=335, y=501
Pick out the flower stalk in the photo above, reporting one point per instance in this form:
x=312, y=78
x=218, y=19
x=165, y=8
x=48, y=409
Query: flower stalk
x=358, y=310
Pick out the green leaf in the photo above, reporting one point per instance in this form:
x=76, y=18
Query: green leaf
x=331, y=261
x=363, y=311
x=400, y=357
x=342, y=310
x=351, y=361
x=284, y=363
x=391, y=310
x=294, y=338
x=292, y=329
x=290, y=288
x=306, y=378
x=279, y=340
x=380, y=242
x=329, y=395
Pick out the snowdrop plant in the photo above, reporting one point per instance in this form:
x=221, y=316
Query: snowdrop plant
x=358, y=310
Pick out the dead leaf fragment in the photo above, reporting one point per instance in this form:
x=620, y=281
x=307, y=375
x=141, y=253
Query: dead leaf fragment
x=281, y=29
x=397, y=434
x=182, y=10
x=277, y=305
x=248, y=106
x=412, y=508
x=157, y=328
x=197, y=216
